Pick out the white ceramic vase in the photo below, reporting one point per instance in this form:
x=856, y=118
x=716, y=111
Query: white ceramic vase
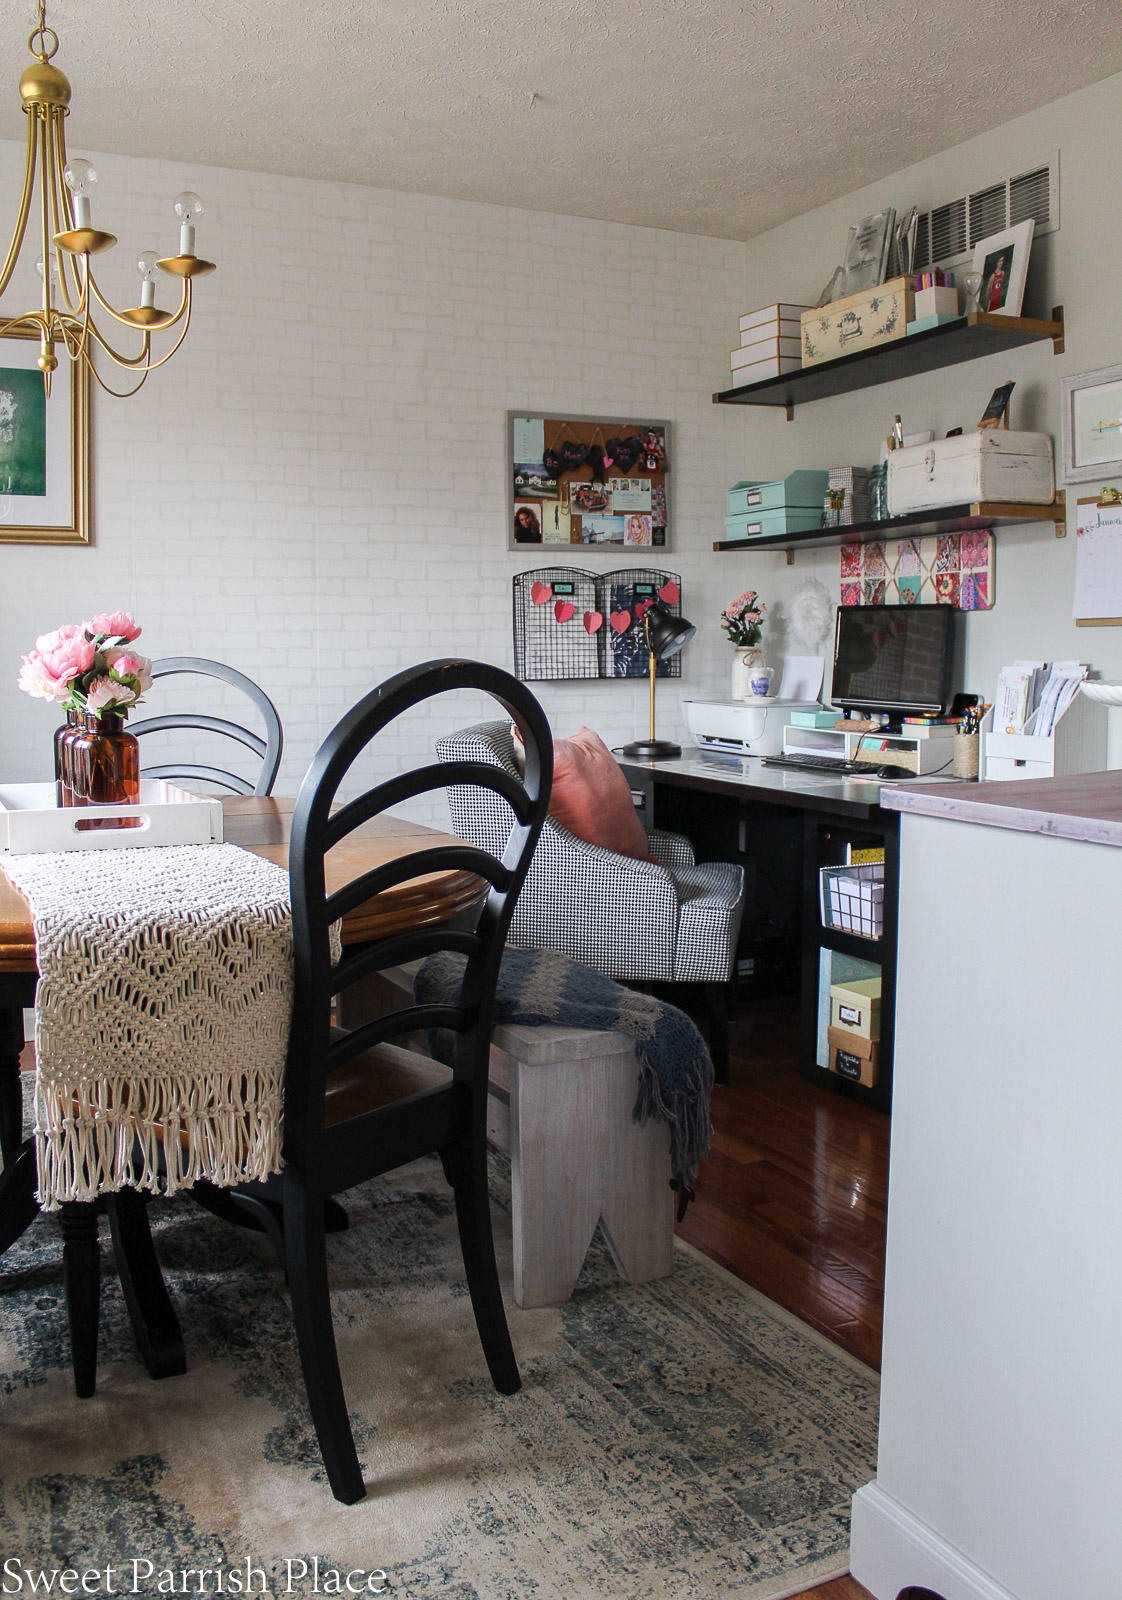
x=747, y=659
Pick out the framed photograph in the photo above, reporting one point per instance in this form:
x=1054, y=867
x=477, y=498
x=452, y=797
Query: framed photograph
x=1091, y=425
x=1002, y=260
x=866, y=253
x=596, y=482
x=44, y=448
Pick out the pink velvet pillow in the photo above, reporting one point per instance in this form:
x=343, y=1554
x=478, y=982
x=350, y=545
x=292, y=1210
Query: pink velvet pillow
x=592, y=798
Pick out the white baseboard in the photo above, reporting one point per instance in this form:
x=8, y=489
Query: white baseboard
x=890, y=1548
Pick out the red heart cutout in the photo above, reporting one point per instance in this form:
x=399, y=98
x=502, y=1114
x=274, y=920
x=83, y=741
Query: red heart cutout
x=620, y=621
x=643, y=605
x=593, y=620
x=540, y=593
x=669, y=592
x=563, y=610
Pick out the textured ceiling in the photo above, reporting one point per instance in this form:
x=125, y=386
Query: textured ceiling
x=719, y=117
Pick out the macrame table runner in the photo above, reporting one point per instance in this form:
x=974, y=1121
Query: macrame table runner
x=164, y=998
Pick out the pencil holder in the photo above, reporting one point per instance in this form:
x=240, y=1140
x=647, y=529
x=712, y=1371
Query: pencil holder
x=966, y=755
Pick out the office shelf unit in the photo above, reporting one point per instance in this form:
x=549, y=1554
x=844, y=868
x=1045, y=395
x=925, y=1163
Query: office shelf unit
x=948, y=519
x=966, y=339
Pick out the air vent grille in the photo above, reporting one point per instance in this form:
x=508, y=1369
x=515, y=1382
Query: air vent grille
x=946, y=235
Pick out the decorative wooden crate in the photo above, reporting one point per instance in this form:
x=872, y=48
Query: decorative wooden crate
x=858, y=322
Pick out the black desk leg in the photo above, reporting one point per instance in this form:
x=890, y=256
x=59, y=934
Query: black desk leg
x=81, y=1276
x=155, y=1325
x=717, y=1005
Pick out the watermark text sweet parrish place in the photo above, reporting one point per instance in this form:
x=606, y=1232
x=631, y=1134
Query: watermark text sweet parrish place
x=138, y=1576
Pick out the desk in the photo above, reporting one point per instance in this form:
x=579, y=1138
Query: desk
x=735, y=808
x=260, y=825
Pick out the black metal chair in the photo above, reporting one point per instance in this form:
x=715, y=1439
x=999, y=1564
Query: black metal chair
x=267, y=748
x=355, y=1105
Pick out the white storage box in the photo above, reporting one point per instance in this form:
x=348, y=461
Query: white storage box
x=764, y=350
x=31, y=820
x=773, y=367
x=781, y=316
x=993, y=464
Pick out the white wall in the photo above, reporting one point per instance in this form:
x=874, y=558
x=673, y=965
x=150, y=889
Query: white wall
x=1079, y=266
x=314, y=488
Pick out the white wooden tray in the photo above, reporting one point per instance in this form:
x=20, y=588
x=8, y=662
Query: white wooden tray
x=31, y=820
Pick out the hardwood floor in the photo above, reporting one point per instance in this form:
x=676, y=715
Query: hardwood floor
x=794, y=1197
x=838, y=1589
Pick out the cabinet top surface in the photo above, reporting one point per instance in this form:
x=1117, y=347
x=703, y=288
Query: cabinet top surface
x=747, y=776
x=1085, y=806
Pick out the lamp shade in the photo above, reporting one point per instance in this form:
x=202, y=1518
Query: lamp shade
x=667, y=634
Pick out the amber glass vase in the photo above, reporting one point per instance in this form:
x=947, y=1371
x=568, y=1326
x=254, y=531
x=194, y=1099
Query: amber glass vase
x=63, y=787
x=104, y=762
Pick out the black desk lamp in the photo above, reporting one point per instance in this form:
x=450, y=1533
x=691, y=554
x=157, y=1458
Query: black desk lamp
x=665, y=637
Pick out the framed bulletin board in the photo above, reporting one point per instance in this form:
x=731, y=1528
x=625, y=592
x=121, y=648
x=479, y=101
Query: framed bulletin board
x=593, y=483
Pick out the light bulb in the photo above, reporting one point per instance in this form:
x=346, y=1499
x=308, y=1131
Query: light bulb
x=80, y=176
x=188, y=208
x=146, y=266
x=54, y=270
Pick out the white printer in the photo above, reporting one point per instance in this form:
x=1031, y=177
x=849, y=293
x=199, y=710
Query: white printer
x=741, y=727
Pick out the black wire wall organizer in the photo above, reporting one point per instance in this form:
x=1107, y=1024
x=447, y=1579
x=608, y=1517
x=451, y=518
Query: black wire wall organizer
x=574, y=624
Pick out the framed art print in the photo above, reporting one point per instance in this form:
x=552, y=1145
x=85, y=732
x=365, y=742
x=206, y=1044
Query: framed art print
x=44, y=448
x=1091, y=425
x=1002, y=260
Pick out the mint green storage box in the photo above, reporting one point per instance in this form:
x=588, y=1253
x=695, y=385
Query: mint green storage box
x=783, y=519
x=826, y=718
x=796, y=489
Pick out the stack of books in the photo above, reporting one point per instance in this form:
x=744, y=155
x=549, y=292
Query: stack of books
x=770, y=344
x=853, y=482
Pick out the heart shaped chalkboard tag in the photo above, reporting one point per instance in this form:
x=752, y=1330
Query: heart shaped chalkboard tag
x=626, y=454
x=573, y=455
x=551, y=461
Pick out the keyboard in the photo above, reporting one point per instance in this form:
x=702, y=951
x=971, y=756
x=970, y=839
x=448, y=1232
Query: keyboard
x=809, y=763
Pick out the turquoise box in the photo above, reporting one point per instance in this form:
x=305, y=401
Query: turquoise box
x=780, y=520
x=796, y=489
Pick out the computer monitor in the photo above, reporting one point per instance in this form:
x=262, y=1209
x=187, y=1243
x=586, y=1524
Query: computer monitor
x=895, y=659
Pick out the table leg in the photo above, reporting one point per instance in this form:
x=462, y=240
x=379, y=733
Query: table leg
x=11, y=1090
x=154, y=1322
x=18, y=1206
x=81, y=1276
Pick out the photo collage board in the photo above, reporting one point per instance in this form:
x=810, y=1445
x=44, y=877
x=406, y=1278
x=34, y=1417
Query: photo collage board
x=587, y=481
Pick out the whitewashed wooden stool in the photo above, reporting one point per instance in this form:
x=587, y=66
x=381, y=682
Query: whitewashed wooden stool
x=560, y=1105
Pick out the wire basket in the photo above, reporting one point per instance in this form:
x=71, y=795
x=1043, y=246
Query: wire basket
x=852, y=899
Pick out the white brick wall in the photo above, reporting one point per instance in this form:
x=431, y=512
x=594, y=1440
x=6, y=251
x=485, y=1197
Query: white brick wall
x=313, y=489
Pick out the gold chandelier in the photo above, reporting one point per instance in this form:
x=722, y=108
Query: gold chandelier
x=70, y=291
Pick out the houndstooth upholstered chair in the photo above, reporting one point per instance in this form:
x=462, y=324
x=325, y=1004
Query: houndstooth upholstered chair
x=671, y=920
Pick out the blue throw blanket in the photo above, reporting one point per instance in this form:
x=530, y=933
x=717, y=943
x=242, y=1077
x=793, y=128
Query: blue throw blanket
x=541, y=987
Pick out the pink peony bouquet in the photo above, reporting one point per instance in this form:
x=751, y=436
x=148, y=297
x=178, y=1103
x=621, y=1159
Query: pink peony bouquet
x=90, y=667
x=743, y=619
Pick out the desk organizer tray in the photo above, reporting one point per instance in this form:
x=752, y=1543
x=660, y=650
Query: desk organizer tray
x=852, y=899
x=31, y=820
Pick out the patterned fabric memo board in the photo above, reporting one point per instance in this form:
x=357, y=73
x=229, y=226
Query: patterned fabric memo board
x=951, y=569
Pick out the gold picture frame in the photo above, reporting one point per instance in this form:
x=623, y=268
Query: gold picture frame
x=53, y=456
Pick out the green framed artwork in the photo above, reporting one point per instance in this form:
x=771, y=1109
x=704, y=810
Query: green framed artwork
x=44, y=448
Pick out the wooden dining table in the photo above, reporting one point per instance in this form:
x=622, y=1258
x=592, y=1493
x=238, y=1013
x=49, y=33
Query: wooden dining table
x=261, y=825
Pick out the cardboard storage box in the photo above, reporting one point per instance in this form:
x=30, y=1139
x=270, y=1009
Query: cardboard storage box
x=875, y=316
x=850, y=1061
x=991, y=464
x=855, y=1007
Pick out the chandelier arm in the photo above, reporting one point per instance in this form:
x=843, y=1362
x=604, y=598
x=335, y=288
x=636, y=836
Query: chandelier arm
x=126, y=322
x=167, y=355
x=118, y=394
x=45, y=209
x=63, y=219
x=24, y=206
x=94, y=333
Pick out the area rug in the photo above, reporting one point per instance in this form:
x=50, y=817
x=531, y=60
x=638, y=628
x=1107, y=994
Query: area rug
x=683, y=1440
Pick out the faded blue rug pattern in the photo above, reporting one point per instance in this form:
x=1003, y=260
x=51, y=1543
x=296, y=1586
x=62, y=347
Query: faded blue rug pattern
x=684, y=1440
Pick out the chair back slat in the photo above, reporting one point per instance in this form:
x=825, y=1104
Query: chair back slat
x=409, y=785
x=444, y=858
x=404, y=947
x=268, y=749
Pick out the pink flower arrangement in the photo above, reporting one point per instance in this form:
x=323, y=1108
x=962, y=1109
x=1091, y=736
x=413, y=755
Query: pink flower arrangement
x=743, y=619
x=84, y=667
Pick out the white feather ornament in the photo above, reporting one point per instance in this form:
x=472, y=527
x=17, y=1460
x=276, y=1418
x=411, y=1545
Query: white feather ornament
x=810, y=614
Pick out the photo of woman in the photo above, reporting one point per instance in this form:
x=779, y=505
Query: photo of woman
x=638, y=529
x=527, y=524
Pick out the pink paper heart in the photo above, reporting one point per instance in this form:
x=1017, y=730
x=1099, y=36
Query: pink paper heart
x=540, y=593
x=641, y=606
x=593, y=620
x=669, y=592
x=563, y=610
x=620, y=621
x=609, y=461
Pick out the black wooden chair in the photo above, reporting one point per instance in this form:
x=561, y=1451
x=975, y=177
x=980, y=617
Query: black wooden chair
x=267, y=748
x=356, y=1105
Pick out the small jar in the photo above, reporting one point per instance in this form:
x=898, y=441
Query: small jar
x=104, y=762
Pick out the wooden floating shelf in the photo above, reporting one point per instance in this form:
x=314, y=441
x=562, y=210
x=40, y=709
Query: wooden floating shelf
x=948, y=519
x=967, y=339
